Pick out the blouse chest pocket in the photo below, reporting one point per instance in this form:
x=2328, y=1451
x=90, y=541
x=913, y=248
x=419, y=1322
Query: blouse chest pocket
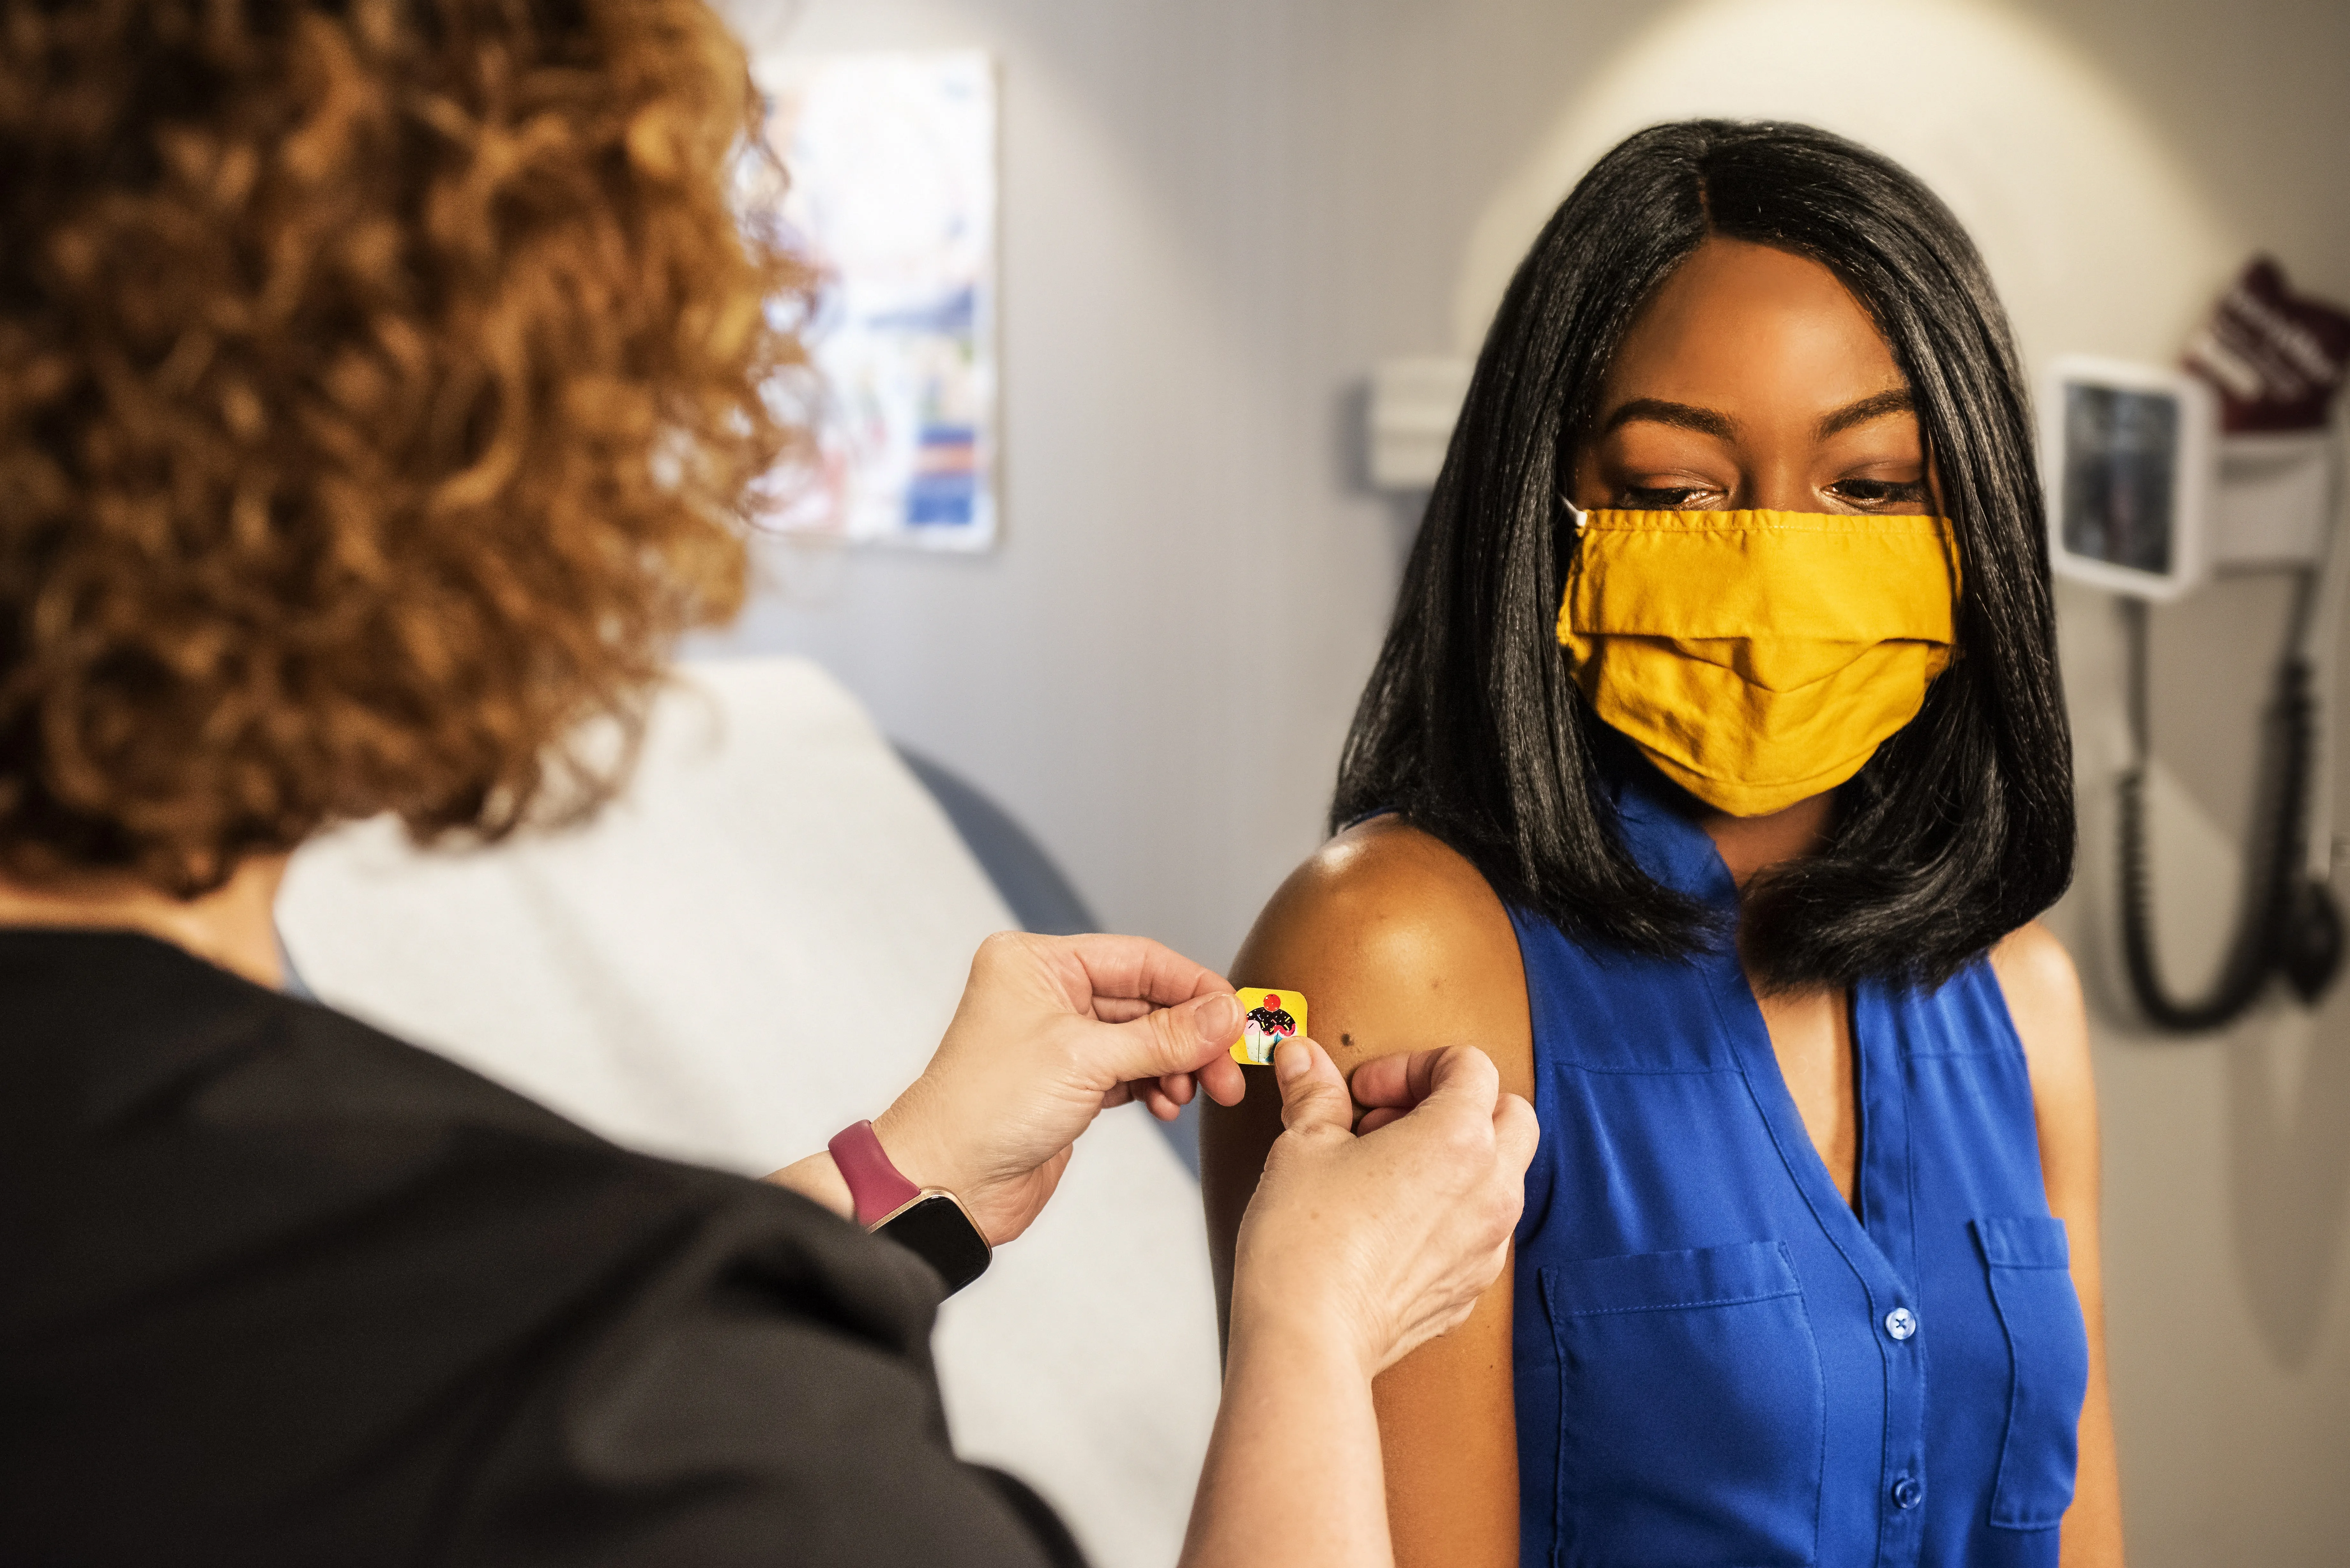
x=2048, y=1368
x=1691, y=1410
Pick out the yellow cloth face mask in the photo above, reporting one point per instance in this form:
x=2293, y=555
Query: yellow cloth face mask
x=1759, y=658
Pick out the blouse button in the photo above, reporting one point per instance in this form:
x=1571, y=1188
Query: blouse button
x=1907, y=1492
x=1900, y=1323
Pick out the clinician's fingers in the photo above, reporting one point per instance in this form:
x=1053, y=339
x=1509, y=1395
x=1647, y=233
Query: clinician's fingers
x=1463, y=1075
x=1136, y=969
x=1162, y=1097
x=1459, y=1080
x=1145, y=1092
x=1517, y=1132
x=1223, y=1080
x=1180, y=1039
x=1401, y=1081
x=1312, y=1093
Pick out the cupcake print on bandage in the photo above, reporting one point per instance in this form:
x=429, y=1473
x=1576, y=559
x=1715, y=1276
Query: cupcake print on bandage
x=1274, y=1016
x=1267, y=1026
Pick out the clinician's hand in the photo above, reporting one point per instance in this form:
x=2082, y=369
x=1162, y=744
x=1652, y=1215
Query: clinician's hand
x=1051, y=1031
x=1356, y=1247
x=1384, y=1236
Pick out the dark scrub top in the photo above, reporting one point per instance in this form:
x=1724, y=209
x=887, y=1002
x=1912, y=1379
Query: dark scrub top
x=1718, y=1360
x=275, y=1288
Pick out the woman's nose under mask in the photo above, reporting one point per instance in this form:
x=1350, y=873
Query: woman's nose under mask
x=1759, y=658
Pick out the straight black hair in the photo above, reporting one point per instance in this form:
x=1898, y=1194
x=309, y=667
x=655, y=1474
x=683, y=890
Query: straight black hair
x=1960, y=827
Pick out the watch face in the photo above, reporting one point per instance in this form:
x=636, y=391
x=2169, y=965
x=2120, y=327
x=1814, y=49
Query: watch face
x=935, y=1229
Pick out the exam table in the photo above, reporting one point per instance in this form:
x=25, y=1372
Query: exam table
x=758, y=943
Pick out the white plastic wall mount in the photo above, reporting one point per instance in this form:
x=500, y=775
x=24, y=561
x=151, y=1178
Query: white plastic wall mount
x=1414, y=404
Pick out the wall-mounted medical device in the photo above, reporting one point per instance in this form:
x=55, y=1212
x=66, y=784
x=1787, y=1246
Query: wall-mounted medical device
x=2131, y=475
x=2148, y=496
x=2159, y=479
x=1414, y=404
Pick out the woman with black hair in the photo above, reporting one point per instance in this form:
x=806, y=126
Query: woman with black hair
x=1712, y=777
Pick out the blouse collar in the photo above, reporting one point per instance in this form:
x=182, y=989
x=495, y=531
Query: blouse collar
x=1665, y=839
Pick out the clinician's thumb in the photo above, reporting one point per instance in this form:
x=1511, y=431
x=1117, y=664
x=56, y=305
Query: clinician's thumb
x=1312, y=1092
x=1178, y=1039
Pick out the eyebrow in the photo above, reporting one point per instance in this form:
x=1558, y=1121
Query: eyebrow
x=1897, y=401
x=1688, y=416
x=1713, y=422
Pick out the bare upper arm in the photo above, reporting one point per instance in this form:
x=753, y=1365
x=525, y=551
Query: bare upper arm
x=2043, y=998
x=1398, y=944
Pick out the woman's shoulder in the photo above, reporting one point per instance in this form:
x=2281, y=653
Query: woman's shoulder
x=1395, y=893
x=2034, y=968
x=2042, y=988
x=1398, y=943
x=1387, y=855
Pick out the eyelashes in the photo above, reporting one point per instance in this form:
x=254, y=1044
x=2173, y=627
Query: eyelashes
x=1636, y=499
x=1876, y=493
x=1862, y=495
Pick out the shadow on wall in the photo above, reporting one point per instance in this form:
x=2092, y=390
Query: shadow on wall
x=2289, y=1168
x=2284, y=1071
x=2285, y=1076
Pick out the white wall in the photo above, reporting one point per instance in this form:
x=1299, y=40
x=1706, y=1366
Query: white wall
x=1218, y=213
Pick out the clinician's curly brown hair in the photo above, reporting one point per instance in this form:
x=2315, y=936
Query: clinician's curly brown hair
x=380, y=389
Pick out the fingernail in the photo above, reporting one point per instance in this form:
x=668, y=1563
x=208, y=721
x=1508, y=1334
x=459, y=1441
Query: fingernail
x=1219, y=1019
x=1290, y=1060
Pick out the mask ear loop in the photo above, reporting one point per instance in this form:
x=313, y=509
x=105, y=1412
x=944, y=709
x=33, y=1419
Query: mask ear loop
x=1566, y=557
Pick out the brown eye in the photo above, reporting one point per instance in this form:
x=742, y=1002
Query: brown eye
x=1670, y=500
x=1879, y=492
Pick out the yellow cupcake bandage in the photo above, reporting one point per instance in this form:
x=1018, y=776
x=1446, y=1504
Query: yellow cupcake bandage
x=1273, y=1016
x=1759, y=658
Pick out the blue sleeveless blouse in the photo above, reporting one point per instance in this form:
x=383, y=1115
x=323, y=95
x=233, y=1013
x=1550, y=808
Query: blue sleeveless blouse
x=1718, y=1360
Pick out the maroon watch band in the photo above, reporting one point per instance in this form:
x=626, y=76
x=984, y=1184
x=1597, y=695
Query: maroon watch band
x=878, y=1188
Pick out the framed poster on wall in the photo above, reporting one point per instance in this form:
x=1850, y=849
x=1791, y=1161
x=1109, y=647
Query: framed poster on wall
x=889, y=195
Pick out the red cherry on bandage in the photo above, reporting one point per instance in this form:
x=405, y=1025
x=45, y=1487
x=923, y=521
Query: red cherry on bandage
x=1272, y=1002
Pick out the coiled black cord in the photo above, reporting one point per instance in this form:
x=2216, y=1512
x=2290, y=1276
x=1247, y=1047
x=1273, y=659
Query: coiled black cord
x=2290, y=924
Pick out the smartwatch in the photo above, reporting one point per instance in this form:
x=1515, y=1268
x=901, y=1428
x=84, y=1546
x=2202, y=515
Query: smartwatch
x=929, y=1221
